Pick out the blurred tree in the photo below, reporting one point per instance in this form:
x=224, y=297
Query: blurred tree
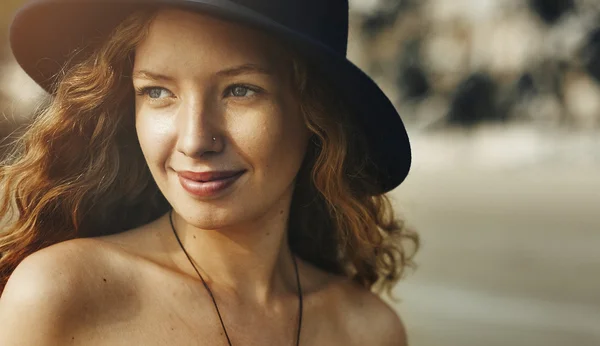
x=551, y=10
x=526, y=86
x=412, y=79
x=474, y=101
x=385, y=15
x=413, y=82
x=590, y=54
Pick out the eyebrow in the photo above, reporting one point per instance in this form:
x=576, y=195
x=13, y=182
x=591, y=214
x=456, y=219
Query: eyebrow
x=228, y=72
x=244, y=69
x=144, y=74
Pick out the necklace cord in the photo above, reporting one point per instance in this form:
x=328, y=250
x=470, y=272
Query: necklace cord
x=201, y=278
x=212, y=297
x=300, y=304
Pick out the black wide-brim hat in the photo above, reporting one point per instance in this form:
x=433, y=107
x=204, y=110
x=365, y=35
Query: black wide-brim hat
x=45, y=32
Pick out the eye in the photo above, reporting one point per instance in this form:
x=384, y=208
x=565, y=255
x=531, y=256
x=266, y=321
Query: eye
x=241, y=91
x=154, y=93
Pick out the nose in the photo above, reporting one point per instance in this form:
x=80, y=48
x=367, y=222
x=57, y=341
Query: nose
x=198, y=130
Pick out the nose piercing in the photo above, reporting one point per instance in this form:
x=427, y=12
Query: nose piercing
x=214, y=139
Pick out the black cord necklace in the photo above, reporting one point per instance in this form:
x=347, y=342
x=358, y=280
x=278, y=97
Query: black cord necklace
x=213, y=297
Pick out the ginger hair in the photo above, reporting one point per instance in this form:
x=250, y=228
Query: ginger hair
x=78, y=171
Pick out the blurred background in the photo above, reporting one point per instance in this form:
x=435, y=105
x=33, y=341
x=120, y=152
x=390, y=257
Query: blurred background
x=501, y=99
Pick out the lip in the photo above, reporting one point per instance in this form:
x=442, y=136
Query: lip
x=208, y=176
x=208, y=184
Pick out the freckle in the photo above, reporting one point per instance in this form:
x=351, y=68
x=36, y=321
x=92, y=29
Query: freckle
x=104, y=279
x=281, y=212
x=194, y=237
x=268, y=233
x=172, y=328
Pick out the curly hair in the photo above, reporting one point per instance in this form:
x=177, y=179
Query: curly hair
x=79, y=171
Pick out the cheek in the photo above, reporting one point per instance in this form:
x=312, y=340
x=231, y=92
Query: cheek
x=273, y=140
x=154, y=136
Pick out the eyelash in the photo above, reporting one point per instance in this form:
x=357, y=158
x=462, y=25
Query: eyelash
x=228, y=91
x=145, y=90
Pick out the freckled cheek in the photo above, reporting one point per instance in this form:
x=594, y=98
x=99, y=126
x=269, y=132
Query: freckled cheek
x=155, y=137
x=273, y=143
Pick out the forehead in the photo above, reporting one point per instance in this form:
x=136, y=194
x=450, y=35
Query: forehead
x=190, y=39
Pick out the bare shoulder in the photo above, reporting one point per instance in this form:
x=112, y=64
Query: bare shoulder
x=353, y=313
x=55, y=269
x=48, y=290
x=368, y=318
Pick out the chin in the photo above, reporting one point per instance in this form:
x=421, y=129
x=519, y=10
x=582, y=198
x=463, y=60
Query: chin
x=241, y=205
x=207, y=216
x=219, y=214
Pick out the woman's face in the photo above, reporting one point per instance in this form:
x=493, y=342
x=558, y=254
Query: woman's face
x=217, y=119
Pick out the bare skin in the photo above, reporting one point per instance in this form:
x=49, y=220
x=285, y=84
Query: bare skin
x=203, y=112
x=126, y=290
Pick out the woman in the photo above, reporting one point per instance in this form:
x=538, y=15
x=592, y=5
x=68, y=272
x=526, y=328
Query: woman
x=206, y=172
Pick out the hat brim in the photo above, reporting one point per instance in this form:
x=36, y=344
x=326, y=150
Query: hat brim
x=44, y=33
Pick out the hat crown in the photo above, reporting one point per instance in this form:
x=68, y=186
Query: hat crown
x=321, y=20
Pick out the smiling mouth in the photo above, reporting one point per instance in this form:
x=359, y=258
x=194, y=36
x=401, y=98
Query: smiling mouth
x=205, y=177
x=208, y=185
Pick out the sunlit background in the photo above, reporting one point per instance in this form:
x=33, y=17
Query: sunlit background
x=502, y=102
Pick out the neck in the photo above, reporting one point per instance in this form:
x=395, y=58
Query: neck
x=252, y=261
